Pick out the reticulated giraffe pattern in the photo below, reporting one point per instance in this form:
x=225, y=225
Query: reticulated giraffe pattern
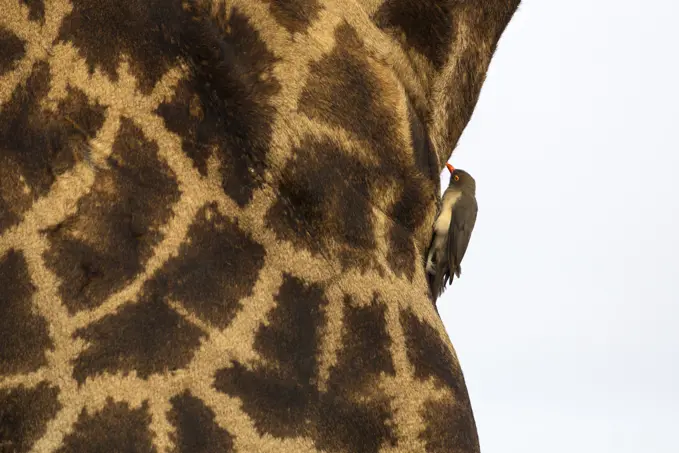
x=213, y=218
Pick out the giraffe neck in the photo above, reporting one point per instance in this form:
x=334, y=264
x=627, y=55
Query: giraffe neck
x=213, y=216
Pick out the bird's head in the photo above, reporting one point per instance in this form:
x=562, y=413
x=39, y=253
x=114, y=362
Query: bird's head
x=461, y=180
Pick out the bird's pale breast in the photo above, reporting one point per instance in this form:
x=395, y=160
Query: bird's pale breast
x=443, y=220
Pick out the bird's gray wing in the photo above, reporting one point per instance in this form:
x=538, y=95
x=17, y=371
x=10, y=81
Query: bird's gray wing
x=462, y=223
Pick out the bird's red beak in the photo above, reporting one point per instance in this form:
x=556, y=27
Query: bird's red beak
x=451, y=169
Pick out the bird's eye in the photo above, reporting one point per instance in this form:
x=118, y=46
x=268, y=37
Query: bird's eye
x=456, y=178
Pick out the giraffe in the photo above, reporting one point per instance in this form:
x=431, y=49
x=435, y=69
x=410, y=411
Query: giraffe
x=213, y=218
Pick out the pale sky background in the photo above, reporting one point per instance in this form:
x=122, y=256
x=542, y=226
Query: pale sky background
x=566, y=318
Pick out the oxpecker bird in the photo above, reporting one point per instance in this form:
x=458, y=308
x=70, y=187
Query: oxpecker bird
x=452, y=230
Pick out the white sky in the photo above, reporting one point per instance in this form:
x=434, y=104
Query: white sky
x=566, y=318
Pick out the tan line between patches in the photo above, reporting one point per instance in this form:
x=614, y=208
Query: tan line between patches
x=38, y=39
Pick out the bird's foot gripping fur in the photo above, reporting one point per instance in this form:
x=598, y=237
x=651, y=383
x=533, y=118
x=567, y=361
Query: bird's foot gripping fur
x=436, y=265
x=430, y=266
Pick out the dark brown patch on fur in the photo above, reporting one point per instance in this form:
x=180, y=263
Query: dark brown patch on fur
x=116, y=428
x=401, y=256
x=281, y=395
x=343, y=91
x=196, y=428
x=105, y=32
x=214, y=269
x=323, y=203
x=105, y=244
x=24, y=413
x=224, y=108
x=450, y=426
x=12, y=48
x=277, y=393
x=365, y=348
x=12, y=202
x=147, y=337
x=36, y=10
x=428, y=25
x=429, y=355
x=364, y=356
x=294, y=15
x=23, y=334
x=277, y=406
x=290, y=338
x=156, y=34
x=37, y=145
